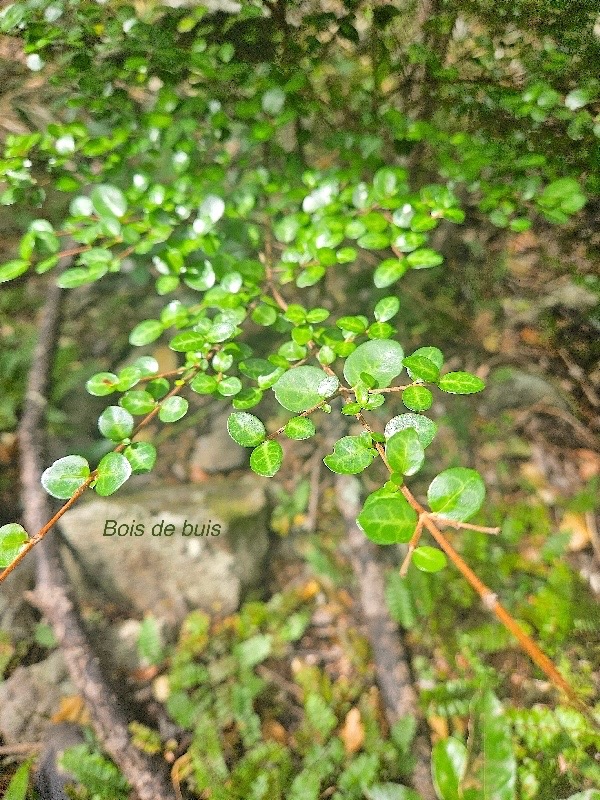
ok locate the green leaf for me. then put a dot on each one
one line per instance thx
(247, 398)
(187, 342)
(108, 201)
(172, 409)
(65, 476)
(431, 353)
(102, 383)
(429, 559)
(460, 383)
(78, 276)
(266, 459)
(448, 764)
(138, 402)
(115, 423)
(204, 384)
(589, 794)
(264, 315)
(400, 602)
(299, 428)
(391, 791)
(246, 429)
(113, 470)
(141, 456)
(219, 332)
(387, 519)
(158, 388)
(12, 270)
(421, 368)
(405, 452)
(298, 388)
(456, 493)
(425, 428)
(128, 377)
(424, 258)
(229, 386)
(350, 456)
(13, 538)
(386, 308)
(149, 642)
(146, 332)
(389, 271)
(17, 788)
(417, 398)
(381, 358)
(492, 772)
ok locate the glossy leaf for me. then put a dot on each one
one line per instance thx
(299, 428)
(102, 383)
(425, 427)
(187, 342)
(113, 470)
(350, 456)
(137, 402)
(146, 332)
(13, 538)
(298, 388)
(266, 459)
(421, 368)
(417, 398)
(108, 201)
(429, 559)
(173, 409)
(381, 358)
(491, 772)
(386, 308)
(460, 383)
(65, 476)
(456, 493)
(448, 764)
(115, 423)
(404, 452)
(387, 519)
(246, 429)
(141, 456)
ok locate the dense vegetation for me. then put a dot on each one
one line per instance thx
(279, 173)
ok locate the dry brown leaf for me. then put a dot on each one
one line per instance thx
(353, 732)
(71, 709)
(576, 525)
(439, 727)
(274, 731)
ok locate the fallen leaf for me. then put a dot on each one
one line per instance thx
(576, 525)
(71, 709)
(274, 731)
(353, 732)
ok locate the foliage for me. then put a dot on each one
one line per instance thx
(244, 165)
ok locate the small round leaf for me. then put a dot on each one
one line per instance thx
(387, 519)
(113, 470)
(425, 428)
(266, 459)
(405, 452)
(299, 428)
(13, 538)
(381, 358)
(115, 423)
(141, 456)
(145, 332)
(246, 429)
(461, 383)
(417, 398)
(65, 476)
(429, 559)
(298, 388)
(173, 408)
(456, 493)
(102, 383)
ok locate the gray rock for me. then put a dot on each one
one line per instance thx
(217, 452)
(510, 388)
(30, 696)
(167, 576)
(17, 616)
